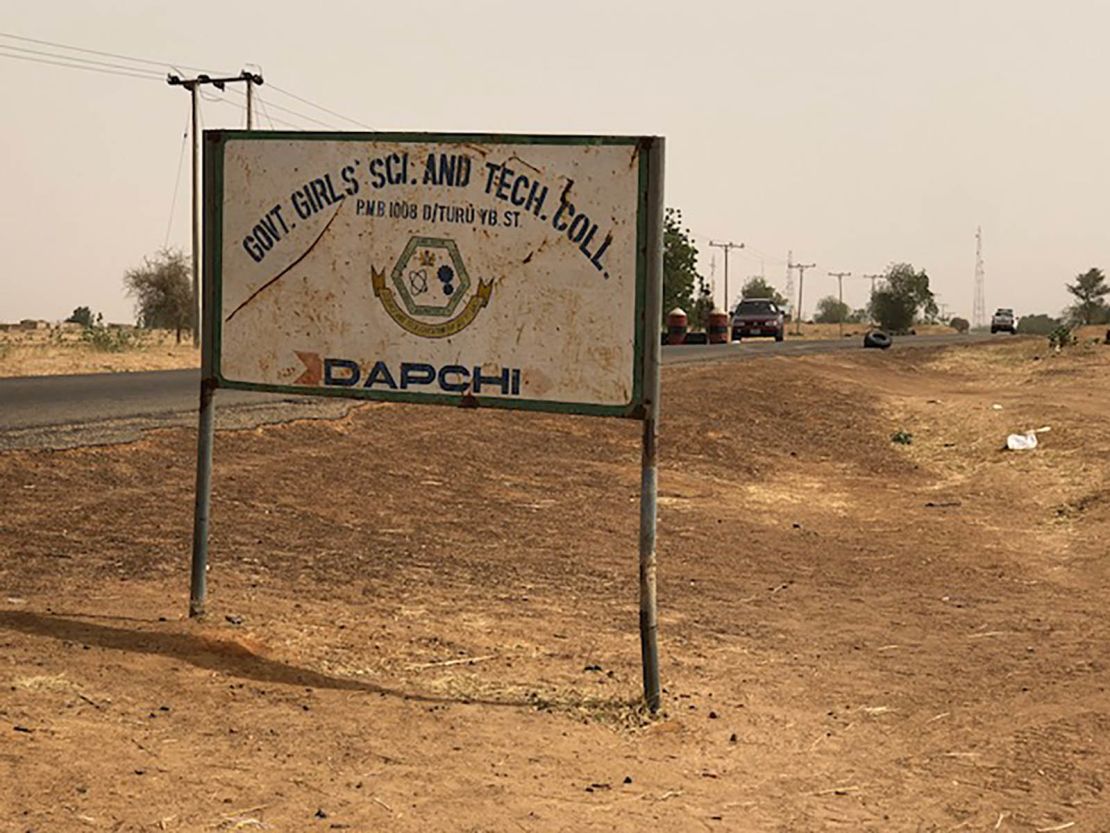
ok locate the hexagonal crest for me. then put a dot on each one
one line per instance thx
(430, 277)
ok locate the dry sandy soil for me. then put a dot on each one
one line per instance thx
(424, 619)
(57, 351)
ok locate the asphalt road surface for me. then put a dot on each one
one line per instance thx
(62, 411)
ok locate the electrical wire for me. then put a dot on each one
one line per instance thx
(177, 180)
(281, 109)
(263, 111)
(747, 249)
(77, 62)
(761, 255)
(149, 72)
(132, 58)
(318, 107)
(242, 108)
(85, 67)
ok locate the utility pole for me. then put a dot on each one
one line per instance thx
(801, 267)
(206, 424)
(840, 276)
(873, 278)
(728, 247)
(874, 286)
(193, 85)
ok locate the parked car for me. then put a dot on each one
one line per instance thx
(1003, 321)
(758, 317)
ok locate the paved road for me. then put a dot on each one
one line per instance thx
(65, 411)
(60, 411)
(686, 353)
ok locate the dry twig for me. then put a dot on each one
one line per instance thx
(421, 666)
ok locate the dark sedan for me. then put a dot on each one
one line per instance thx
(758, 317)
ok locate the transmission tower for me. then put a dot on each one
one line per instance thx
(979, 306)
(790, 278)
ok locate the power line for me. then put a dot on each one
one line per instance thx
(318, 107)
(161, 64)
(241, 108)
(85, 67)
(265, 111)
(177, 182)
(752, 250)
(124, 67)
(279, 108)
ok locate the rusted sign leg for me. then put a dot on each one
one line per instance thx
(649, 615)
(653, 315)
(198, 581)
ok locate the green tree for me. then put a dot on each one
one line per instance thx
(1040, 324)
(82, 316)
(680, 265)
(904, 295)
(162, 288)
(830, 310)
(757, 287)
(1089, 288)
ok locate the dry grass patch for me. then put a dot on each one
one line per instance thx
(60, 351)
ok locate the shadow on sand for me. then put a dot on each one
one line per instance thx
(225, 656)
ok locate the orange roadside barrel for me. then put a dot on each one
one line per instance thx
(677, 324)
(717, 327)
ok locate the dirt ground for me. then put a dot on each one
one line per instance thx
(59, 351)
(424, 619)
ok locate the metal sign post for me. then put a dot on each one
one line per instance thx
(649, 615)
(520, 272)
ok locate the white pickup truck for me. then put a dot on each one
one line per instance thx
(1004, 321)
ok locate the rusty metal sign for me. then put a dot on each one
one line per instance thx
(503, 271)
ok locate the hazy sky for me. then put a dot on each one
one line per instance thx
(854, 132)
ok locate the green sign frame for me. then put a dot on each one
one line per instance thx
(215, 142)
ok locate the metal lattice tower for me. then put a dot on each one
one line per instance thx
(790, 278)
(979, 306)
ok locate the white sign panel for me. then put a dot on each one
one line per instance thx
(493, 270)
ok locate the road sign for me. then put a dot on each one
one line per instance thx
(506, 271)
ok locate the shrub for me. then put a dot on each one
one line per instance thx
(1040, 324)
(1061, 337)
(111, 339)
